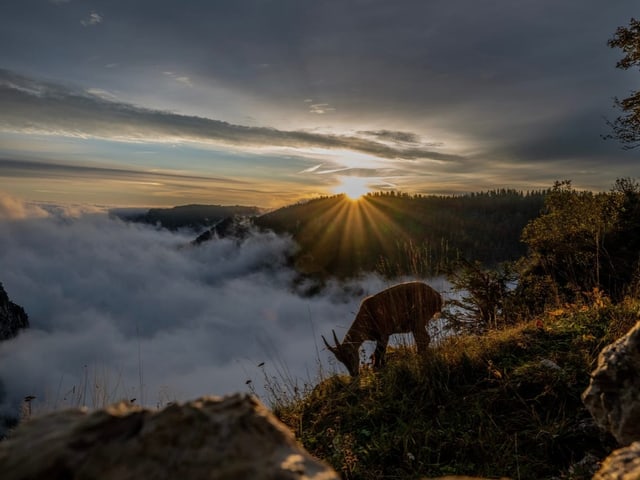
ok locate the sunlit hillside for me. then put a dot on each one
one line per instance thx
(396, 234)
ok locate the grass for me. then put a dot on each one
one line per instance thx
(97, 387)
(506, 403)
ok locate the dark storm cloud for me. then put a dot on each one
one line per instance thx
(420, 56)
(31, 105)
(425, 55)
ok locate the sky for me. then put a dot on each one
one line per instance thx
(120, 311)
(262, 102)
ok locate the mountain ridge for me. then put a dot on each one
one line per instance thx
(391, 233)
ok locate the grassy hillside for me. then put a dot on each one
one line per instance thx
(503, 404)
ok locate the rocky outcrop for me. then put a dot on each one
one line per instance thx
(613, 395)
(623, 464)
(12, 317)
(212, 438)
(613, 398)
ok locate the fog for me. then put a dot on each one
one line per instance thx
(115, 307)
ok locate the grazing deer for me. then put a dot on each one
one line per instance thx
(403, 308)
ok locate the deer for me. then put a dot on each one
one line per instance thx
(402, 308)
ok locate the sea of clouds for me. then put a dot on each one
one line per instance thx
(122, 310)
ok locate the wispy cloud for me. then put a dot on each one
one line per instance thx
(320, 108)
(93, 19)
(35, 106)
(311, 169)
(183, 79)
(103, 94)
(9, 168)
(398, 137)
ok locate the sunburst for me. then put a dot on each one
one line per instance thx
(353, 187)
(343, 234)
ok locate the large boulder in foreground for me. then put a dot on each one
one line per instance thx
(212, 438)
(613, 395)
(623, 464)
(12, 317)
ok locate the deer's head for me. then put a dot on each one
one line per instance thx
(347, 353)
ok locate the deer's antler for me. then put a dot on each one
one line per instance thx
(335, 348)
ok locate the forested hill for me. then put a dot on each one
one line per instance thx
(195, 217)
(396, 233)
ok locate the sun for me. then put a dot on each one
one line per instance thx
(352, 187)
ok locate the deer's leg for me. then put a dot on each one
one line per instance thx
(422, 340)
(378, 355)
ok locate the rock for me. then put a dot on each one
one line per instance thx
(12, 317)
(623, 464)
(211, 438)
(613, 395)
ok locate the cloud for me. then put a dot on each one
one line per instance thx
(101, 93)
(320, 108)
(110, 302)
(30, 105)
(398, 137)
(183, 79)
(12, 208)
(405, 137)
(93, 19)
(311, 169)
(25, 169)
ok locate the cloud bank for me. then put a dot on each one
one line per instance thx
(34, 106)
(114, 306)
(12, 209)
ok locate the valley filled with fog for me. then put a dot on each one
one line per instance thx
(116, 306)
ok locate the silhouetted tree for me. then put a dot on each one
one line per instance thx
(626, 127)
(623, 245)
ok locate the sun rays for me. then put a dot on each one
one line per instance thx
(346, 235)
